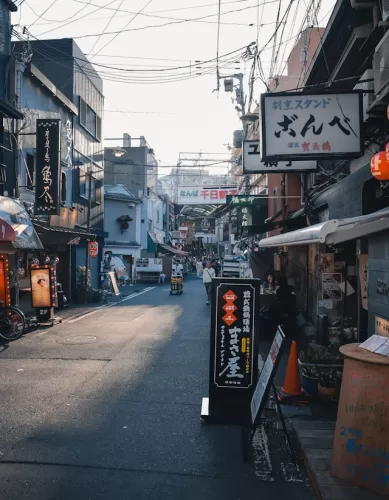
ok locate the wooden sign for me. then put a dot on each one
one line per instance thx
(266, 377)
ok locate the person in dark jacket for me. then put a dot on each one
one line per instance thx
(269, 285)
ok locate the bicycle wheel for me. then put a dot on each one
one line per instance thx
(12, 323)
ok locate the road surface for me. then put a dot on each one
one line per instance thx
(107, 406)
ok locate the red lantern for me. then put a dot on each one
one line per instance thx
(379, 165)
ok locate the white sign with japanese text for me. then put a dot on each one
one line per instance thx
(195, 195)
(252, 163)
(298, 126)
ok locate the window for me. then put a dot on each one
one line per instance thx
(30, 170)
(63, 187)
(89, 119)
(84, 185)
(275, 200)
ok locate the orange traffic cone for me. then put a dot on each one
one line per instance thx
(292, 384)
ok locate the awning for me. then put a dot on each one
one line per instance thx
(332, 232)
(60, 235)
(174, 251)
(20, 231)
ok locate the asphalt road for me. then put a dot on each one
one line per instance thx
(107, 406)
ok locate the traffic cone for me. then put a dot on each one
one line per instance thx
(292, 384)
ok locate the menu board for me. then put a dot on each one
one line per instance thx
(266, 377)
(40, 288)
(234, 335)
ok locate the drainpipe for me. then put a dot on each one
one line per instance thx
(19, 159)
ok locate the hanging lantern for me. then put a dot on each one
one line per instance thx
(379, 166)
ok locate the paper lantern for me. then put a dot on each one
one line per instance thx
(379, 166)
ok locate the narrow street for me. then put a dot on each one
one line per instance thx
(107, 406)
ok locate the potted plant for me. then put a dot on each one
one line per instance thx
(83, 294)
(310, 380)
(329, 383)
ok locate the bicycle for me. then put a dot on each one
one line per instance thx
(12, 322)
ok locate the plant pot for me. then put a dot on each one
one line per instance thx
(327, 392)
(310, 384)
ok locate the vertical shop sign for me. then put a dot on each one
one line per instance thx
(48, 161)
(234, 336)
(93, 248)
(69, 144)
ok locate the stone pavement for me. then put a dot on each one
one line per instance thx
(107, 406)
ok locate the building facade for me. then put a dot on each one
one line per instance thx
(63, 68)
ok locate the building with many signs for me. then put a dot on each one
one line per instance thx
(55, 84)
(337, 264)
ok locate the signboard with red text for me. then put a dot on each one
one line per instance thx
(195, 195)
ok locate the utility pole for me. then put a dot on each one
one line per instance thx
(88, 214)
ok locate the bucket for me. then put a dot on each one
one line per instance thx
(310, 385)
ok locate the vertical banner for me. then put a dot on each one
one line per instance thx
(233, 358)
(48, 166)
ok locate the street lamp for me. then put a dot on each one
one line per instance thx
(118, 152)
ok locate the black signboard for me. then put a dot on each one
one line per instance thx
(233, 347)
(205, 225)
(48, 166)
(266, 377)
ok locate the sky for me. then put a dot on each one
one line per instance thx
(131, 41)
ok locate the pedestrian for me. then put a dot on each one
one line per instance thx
(269, 285)
(208, 275)
(162, 278)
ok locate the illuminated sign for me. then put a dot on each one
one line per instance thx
(43, 292)
(48, 166)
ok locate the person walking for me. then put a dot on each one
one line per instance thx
(208, 275)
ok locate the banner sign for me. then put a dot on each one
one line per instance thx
(194, 195)
(252, 163)
(243, 200)
(234, 336)
(205, 225)
(298, 126)
(48, 167)
(43, 287)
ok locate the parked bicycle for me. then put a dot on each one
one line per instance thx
(12, 322)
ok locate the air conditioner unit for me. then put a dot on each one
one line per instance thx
(381, 67)
(385, 10)
(362, 4)
(368, 91)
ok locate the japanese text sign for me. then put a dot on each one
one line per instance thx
(243, 200)
(48, 164)
(205, 225)
(93, 249)
(298, 126)
(234, 335)
(266, 377)
(252, 163)
(195, 195)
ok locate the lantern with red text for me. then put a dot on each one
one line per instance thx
(379, 166)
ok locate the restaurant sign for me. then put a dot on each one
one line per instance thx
(252, 163)
(243, 200)
(48, 164)
(205, 225)
(298, 126)
(234, 335)
(195, 195)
